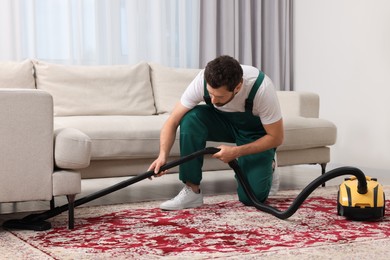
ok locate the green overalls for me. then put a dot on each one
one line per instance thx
(205, 123)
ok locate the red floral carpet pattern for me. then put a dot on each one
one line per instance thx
(223, 227)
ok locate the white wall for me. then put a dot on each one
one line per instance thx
(342, 52)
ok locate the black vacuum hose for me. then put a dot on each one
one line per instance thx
(362, 188)
(37, 221)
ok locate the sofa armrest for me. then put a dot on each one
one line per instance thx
(26, 145)
(296, 103)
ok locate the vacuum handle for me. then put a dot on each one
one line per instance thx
(207, 150)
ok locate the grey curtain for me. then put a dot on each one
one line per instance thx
(255, 32)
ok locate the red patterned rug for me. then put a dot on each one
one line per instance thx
(222, 228)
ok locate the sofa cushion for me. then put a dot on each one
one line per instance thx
(119, 137)
(66, 182)
(129, 137)
(168, 85)
(302, 133)
(72, 149)
(97, 90)
(17, 74)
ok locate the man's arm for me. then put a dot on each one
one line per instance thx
(167, 136)
(272, 139)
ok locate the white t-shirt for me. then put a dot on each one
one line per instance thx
(265, 104)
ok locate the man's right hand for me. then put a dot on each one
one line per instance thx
(156, 165)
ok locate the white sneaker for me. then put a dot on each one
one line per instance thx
(184, 200)
(275, 180)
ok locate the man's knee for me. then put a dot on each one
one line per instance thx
(243, 198)
(260, 190)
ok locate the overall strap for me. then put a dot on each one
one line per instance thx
(206, 96)
(252, 93)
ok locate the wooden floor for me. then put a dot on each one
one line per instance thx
(167, 186)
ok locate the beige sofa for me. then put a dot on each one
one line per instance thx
(121, 110)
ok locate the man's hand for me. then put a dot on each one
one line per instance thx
(227, 153)
(156, 165)
(272, 139)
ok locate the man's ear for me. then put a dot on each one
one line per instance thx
(237, 89)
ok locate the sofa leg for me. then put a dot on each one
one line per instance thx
(323, 170)
(52, 203)
(71, 199)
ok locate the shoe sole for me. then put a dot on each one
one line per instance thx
(197, 205)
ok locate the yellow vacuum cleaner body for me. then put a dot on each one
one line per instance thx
(356, 206)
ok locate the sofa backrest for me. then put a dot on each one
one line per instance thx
(169, 84)
(17, 74)
(97, 90)
(141, 89)
(296, 103)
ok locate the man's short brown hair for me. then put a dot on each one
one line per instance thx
(223, 71)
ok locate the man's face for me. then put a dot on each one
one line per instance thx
(221, 96)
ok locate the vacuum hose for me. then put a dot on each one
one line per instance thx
(362, 188)
(37, 221)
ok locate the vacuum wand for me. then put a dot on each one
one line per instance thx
(58, 210)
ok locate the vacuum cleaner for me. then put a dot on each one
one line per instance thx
(359, 205)
(359, 197)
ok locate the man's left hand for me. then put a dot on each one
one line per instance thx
(226, 154)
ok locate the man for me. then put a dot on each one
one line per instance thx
(242, 108)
